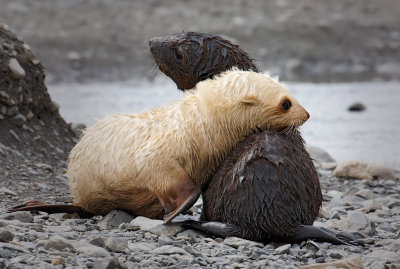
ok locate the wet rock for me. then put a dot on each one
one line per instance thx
(6, 236)
(328, 165)
(73, 56)
(357, 222)
(58, 261)
(392, 68)
(166, 230)
(366, 194)
(16, 69)
(19, 119)
(60, 243)
(144, 223)
(343, 264)
(4, 97)
(382, 255)
(356, 107)
(189, 234)
(109, 263)
(371, 205)
(282, 249)
(164, 241)
(319, 154)
(98, 241)
(114, 244)
(22, 216)
(12, 111)
(29, 115)
(142, 246)
(336, 255)
(169, 250)
(14, 134)
(113, 219)
(237, 242)
(377, 265)
(363, 170)
(7, 191)
(13, 247)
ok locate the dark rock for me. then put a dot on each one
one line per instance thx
(356, 107)
(6, 236)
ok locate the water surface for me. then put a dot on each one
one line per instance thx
(372, 135)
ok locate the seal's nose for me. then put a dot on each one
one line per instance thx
(155, 41)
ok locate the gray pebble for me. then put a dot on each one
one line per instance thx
(168, 250)
(7, 191)
(366, 194)
(357, 222)
(113, 219)
(109, 263)
(12, 111)
(98, 241)
(236, 242)
(145, 224)
(22, 216)
(164, 241)
(16, 69)
(6, 236)
(336, 255)
(141, 246)
(282, 249)
(114, 244)
(167, 230)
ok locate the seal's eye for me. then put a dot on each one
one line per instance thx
(286, 105)
(178, 55)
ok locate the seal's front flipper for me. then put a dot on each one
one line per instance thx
(52, 208)
(215, 228)
(179, 197)
(305, 232)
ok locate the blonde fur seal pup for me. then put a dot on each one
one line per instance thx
(131, 162)
(153, 164)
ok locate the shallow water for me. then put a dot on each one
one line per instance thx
(372, 135)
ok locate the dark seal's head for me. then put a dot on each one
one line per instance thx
(191, 57)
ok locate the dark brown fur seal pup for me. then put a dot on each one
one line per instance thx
(267, 189)
(191, 57)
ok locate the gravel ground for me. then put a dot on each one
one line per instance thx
(118, 240)
(32, 166)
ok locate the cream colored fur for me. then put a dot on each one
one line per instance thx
(128, 153)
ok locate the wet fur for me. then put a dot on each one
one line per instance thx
(265, 188)
(125, 161)
(203, 56)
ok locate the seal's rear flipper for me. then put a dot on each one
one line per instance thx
(305, 232)
(179, 198)
(215, 228)
(52, 208)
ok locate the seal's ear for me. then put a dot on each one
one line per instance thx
(250, 100)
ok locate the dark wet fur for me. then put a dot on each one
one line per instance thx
(203, 56)
(265, 188)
